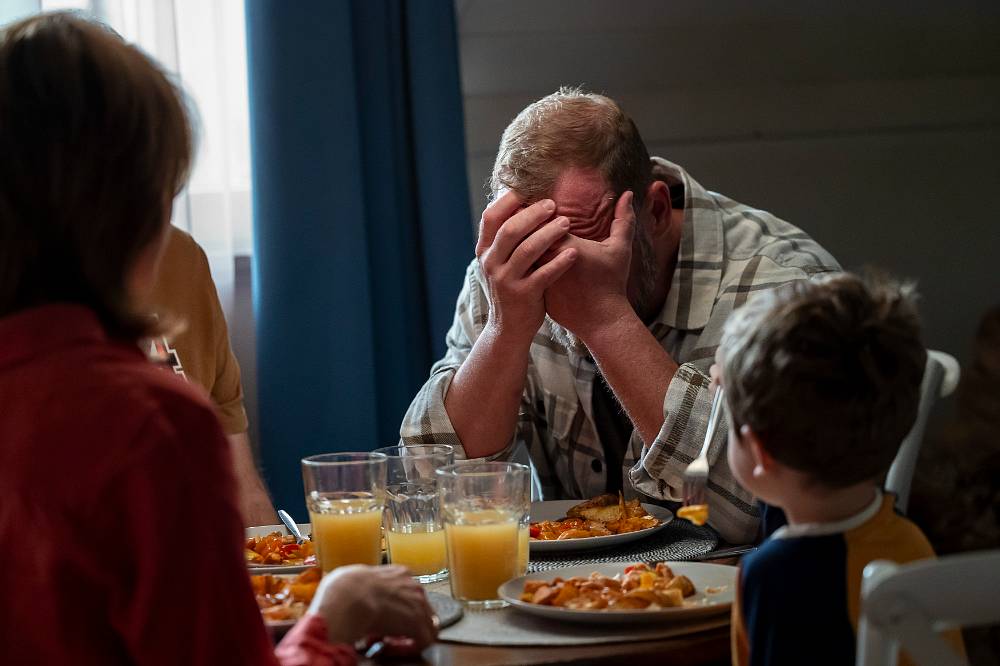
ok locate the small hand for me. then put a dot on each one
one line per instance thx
(511, 242)
(715, 370)
(594, 289)
(715, 374)
(357, 601)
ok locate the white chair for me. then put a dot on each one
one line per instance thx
(941, 376)
(903, 606)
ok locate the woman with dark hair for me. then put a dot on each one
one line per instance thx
(119, 528)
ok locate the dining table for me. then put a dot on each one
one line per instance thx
(704, 641)
(709, 647)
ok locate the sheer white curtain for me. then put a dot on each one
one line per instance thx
(203, 44)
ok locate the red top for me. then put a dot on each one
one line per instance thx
(120, 536)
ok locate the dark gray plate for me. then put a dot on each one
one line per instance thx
(447, 609)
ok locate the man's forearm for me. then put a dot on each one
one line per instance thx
(636, 366)
(485, 394)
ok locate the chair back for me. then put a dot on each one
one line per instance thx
(941, 376)
(904, 606)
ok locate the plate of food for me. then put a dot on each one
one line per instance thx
(269, 549)
(614, 593)
(283, 599)
(606, 520)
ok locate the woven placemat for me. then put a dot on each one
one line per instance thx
(679, 540)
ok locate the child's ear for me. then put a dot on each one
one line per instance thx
(763, 463)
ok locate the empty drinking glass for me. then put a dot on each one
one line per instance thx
(408, 463)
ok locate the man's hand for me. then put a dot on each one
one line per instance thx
(591, 301)
(594, 291)
(511, 242)
(514, 244)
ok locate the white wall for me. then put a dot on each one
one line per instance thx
(877, 131)
(11, 10)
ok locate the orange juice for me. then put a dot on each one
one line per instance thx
(522, 550)
(420, 549)
(347, 532)
(482, 554)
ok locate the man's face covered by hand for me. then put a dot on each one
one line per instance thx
(589, 202)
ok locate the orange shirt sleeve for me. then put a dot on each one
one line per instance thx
(186, 293)
(227, 387)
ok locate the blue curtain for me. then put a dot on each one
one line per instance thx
(361, 218)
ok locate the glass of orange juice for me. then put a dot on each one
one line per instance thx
(483, 505)
(345, 495)
(413, 531)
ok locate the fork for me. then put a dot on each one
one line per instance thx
(696, 474)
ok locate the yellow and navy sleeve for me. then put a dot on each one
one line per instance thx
(799, 598)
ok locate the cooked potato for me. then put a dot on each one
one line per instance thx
(575, 534)
(696, 513)
(544, 595)
(670, 598)
(638, 587)
(303, 592)
(629, 602)
(283, 598)
(531, 586)
(587, 602)
(566, 592)
(682, 583)
(632, 524)
(663, 571)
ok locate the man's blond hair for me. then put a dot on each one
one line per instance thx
(570, 128)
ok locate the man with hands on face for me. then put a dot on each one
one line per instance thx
(589, 318)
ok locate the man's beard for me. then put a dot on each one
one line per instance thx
(645, 289)
(641, 301)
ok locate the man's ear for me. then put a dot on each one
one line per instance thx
(657, 202)
(763, 464)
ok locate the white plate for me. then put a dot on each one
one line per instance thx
(704, 576)
(264, 530)
(447, 610)
(556, 509)
(280, 625)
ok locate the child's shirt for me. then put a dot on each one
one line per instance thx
(799, 595)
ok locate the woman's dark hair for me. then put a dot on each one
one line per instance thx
(94, 144)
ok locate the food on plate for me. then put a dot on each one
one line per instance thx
(602, 516)
(696, 513)
(278, 549)
(637, 588)
(284, 597)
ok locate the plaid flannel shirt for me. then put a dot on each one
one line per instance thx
(728, 252)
